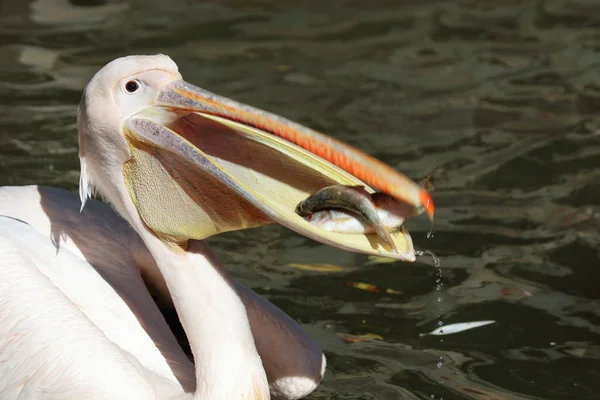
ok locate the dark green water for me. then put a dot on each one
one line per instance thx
(502, 95)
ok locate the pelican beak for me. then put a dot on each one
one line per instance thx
(218, 165)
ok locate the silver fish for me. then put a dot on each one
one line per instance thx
(456, 328)
(392, 215)
(353, 210)
(350, 209)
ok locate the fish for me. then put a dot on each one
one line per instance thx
(458, 327)
(391, 213)
(427, 182)
(349, 209)
(353, 210)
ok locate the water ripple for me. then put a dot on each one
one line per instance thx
(501, 96)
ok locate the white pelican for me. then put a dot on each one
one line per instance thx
(179, 164)
(97, 253)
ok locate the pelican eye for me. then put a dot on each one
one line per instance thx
(132, 86)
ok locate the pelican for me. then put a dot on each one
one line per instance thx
(177, 164)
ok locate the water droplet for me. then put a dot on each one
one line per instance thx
(440, 298)
(430, 233)
(436, 260)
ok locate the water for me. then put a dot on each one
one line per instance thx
(502, 96)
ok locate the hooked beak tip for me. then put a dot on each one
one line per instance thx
(427, 203)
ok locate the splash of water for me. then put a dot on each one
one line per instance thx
(439, 284)
(438, 287)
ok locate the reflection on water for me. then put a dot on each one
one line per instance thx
(502, 95)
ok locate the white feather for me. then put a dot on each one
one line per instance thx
(95, 268)
(86, 187)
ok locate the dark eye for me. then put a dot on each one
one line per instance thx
(132, 86)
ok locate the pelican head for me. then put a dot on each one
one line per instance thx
(123, 88)
(193, 164)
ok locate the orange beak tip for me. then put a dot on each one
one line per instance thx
(426, 203)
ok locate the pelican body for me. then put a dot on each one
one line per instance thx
(177, 164)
